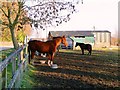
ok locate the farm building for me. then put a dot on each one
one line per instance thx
(95, 38)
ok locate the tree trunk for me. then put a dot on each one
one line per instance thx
(15, 43)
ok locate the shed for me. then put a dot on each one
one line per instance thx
(75, 36)
(99, 38)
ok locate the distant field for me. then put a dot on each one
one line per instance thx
(6, 43)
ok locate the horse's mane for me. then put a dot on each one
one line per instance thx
(56, 37)
(53, 40)
(79, 43)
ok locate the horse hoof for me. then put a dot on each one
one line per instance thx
(54, 66)
(49, 63)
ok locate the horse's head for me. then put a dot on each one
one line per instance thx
(64, 41)
(76, 44)
(79, 44)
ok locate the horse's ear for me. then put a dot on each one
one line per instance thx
(64, 36)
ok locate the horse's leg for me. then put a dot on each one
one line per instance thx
(29, 53)
(29, 57)
(57, 50)
(82, 48)
(52, 56)
(82, 51)
(48, 61)
(32, 56)
(89, 50)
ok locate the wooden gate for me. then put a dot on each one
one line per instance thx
(12, 68)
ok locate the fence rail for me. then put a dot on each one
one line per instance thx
(12, 67)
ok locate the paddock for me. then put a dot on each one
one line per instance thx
(100, 70)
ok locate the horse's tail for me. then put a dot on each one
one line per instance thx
(29, 53)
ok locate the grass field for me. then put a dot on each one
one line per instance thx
(100, 70)
(5, 53)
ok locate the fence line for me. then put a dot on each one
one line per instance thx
(17, 61)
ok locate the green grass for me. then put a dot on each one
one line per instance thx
(5, 53)
(28, 77)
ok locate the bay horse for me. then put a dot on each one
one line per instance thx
(84, 47)
(48, 47)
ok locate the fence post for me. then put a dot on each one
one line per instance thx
(22, 55)
(13, 66)
(26, 57)
(0, 81)
(18, 77)
(4, 75)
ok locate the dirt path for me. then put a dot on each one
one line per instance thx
(76, 71)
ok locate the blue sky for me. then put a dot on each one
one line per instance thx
(103, 14)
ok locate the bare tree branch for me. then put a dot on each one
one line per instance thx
(3, 23)
(50, 13)
(18, 14)
(4, 12)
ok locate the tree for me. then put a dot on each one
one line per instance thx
(12, 14)
(50, 12)
(45, 14)
(5, 35)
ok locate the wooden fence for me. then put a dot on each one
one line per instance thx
(12, 68)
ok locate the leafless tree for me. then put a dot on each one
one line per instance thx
(51, 12)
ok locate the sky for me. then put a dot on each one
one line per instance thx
(101, 14)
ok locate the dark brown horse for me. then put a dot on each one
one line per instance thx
(48, 47)
(84, 47)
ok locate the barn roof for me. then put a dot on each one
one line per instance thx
(74, 33)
